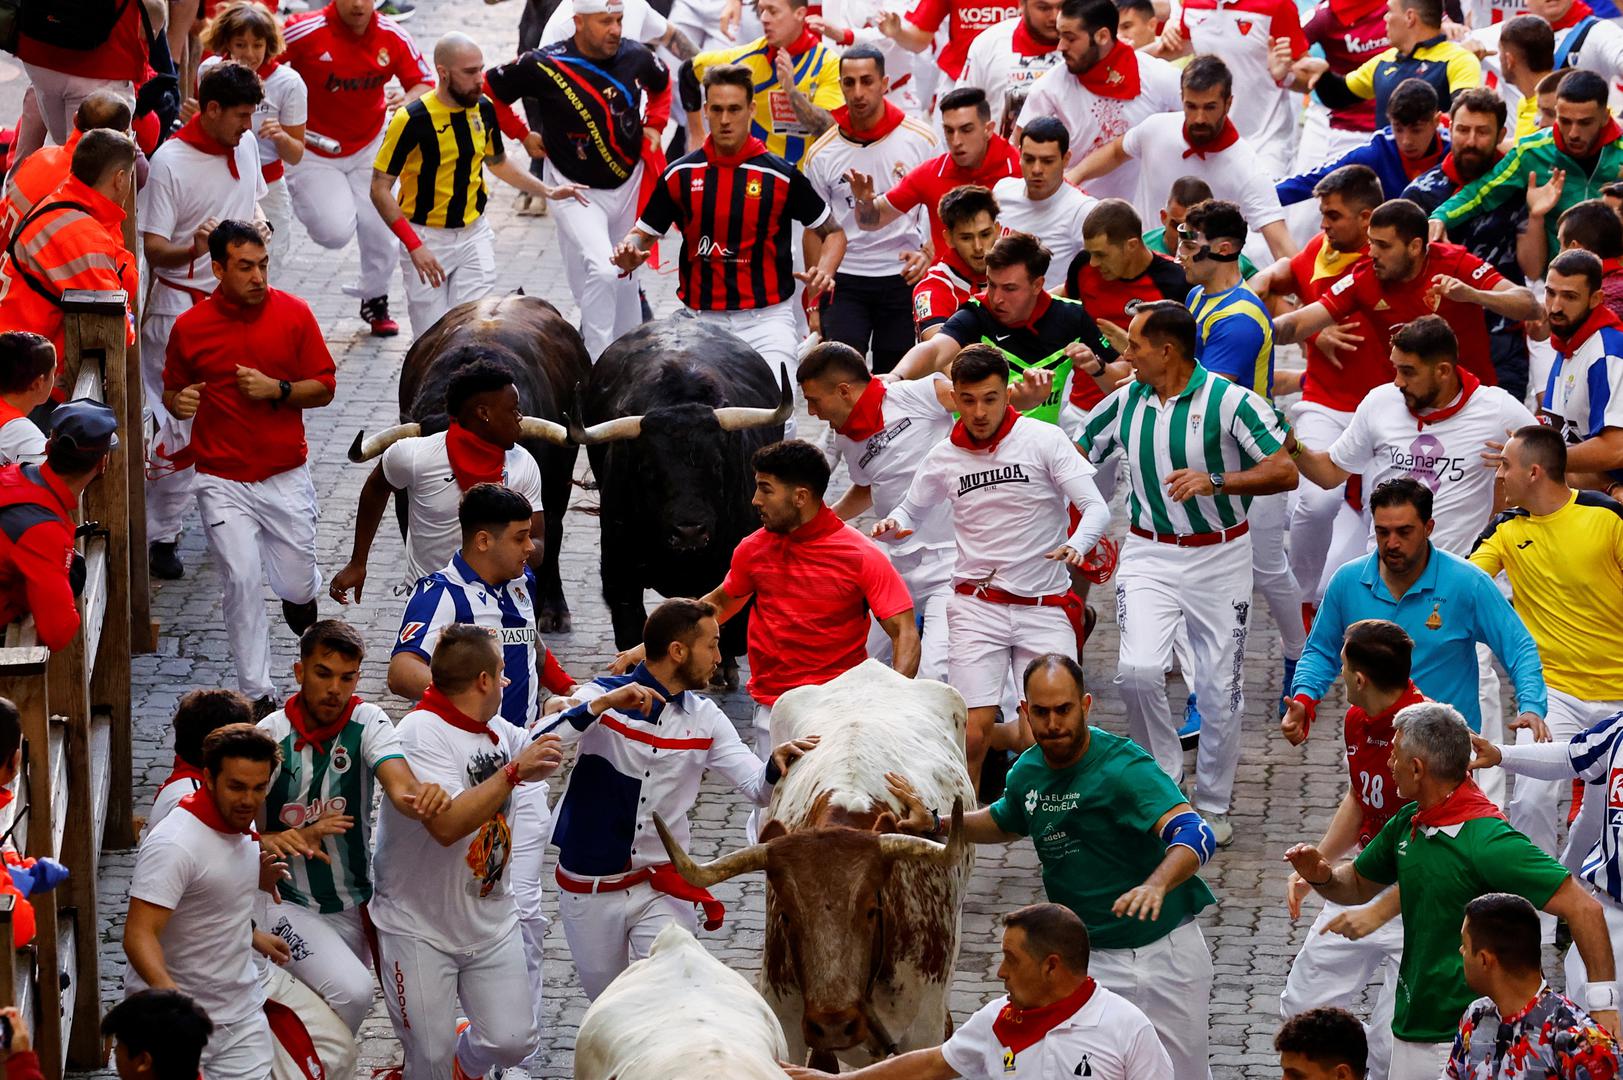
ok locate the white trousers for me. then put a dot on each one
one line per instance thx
(1333, 970)
(1534, 806)
(531, 822)
(1577, 974)
(927, 572)
(303, 1027)
(1170, 981)
(169, 489)
(1209, 589)
(608, 301)
(423, 986)
(333, 198)
(468, 257)
(59, 96)
(330, 956)
(240, 1051)
(1271, 571)
(771, 332)
(607, 931)
(986, 641)
(1418, 1061)
(277, 206)
(1313, 517)
(259, 531)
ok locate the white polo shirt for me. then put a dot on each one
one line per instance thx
(422, 469)
(1056, 221)
(1108, 1038)
(1234, 174)
(872, 254)
(1005, 60)
(21, 440)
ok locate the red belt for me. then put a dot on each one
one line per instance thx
(197, 295)
(662, 877)
(1076, 612)
(1206, 539)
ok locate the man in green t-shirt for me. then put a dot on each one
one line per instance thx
(1447, 847)
(1119, 845)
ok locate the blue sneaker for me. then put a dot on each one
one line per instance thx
(1290, 680)
(1189, 733)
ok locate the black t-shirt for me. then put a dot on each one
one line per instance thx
(1038, 343)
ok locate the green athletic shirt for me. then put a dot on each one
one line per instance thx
(1437, 874)
(1093, 826)
(1039, 342)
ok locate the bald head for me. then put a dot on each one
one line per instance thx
(103, 109)
(456, 48)
(461, 68)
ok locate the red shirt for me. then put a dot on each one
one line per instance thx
(122, 57)
(969, 18)
(36, 552)
(1315, 272)
(927, 182)
(1348, 39)
(814, 590)
(1369, 763)
(941, 291)
(1163, 279)
(234, 436)
(346, 74)
(1391, 304)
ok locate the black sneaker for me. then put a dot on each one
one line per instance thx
(300, 617)
(263, 708)
(398, 10)
(163, 562)
(376, 313)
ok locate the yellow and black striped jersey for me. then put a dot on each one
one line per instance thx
(439, 151)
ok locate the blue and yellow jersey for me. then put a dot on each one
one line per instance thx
(1447, 65)
(817, 75)
(1234, 337)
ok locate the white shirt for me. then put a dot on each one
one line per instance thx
(642, 23)
(1093, 120)
(208, 880)
(1056, 220)
(167, 799)
(185, 187)
(1242, 33)
(286, 101)
(889, 461)
(422, 469)
(1602, 51)
(1584, 393)
(1384, 441)
(1234, 174)
(1009, 506)
(428, 891)
(1108, 1038)
(21, 440)
(877, 253)
(862, 18)
(997, 64)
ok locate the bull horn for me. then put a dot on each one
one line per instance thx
(737, 419)
(533, 427)
(703, 875)
(360, 451)
(899, 846)
(626, 427)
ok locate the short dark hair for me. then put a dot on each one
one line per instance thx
(1115, 220)
(165, 1024)
(864, 52)
(100, 152)
(1048, 129)
(731, 75)
(1355, 185)
(674, 620)
(1020, 249)
(11, 729)
(796, 462)
(1402, 491)
(1217, 219)
(1050, 661)
(1052, 930)
(977, 362)
(1480, 100)
(229, 233)
(1095, 15)
(228, 84)
(1551, 82)
(1533, 38)
(1411, 102)
(1543, 446)
(202, 711)
(1143, 7)
(1167, 322)
(1430, 338)
(1578, 263)
(462, 653)
(1208, 72)
(332, 635)
(480, 376)
(964, 203)
(967, 97)
(1430, 11)
(243, 741)
(1327, 1037)
(835, 362)
(1595, 227)
(1583, 87)
(491, 508)
(1403, 216)
(1382, 651)
(1186, 191)
(1507, 926)
(24, 357)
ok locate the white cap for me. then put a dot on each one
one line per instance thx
(599, 7)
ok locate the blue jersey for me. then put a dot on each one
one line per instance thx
(1597, 758)
(1234, 337)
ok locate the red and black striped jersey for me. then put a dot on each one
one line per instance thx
(737, 215)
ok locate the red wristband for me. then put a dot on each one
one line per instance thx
(408, 235)
(847, 37)
(510, 771)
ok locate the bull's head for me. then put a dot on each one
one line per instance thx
(827, 886)
(530, 427)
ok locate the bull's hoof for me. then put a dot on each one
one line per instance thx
(554, 619)
(726, 677)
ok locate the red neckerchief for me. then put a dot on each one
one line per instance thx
(9, 412)
(977, 281)
(1413, 167)
(961, 436)
(1349, 12)
(752, 146)
(799, 46)
(889, 121)
(265, 69)
(1045, 300)
(1469, 384)
(6, 797)
(1225, 139)
(1026, 45)
(1577, 13)
(1452, 170)
(1116, 76)
(182, 770)
(1382, 724)
(201, 805)
(665, 879)
(304, 723)
(441, 706)
(823, 523)
(1609, 134)
(1018, 1029)
(1602, 316)
(194, 136)
(473, 460)
(1464, 803)
(867, 415)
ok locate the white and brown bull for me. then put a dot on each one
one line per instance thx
(679, 1014)
(861, 921)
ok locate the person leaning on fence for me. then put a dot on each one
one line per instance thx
(40, 573)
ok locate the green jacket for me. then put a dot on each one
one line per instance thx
(1537, 153)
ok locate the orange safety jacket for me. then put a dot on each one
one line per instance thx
(41, 173)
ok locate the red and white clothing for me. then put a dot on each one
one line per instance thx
(942, 290)
(63, 78)
(926, 183)
(1094, 1032)
(1056, 220)
(862, 18)
(1230, 164)
(1242, 32)
(1006, 61)
(287, 102)
(1104, 103)
(1584, 393)
(21, 440)
(887, 153)
(969, 19)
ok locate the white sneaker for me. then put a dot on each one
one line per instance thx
(1222, 831)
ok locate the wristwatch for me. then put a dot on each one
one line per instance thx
(1218, 480)
(287, 390)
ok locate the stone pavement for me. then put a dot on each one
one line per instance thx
(1282, 795)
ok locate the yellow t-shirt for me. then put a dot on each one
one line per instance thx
(817, 75)
(1526, 116)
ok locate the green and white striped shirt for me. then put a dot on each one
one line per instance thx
(339, 778)
(1213, 425)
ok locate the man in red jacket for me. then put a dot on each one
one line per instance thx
(31, 180)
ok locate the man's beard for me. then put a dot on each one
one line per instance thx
(1089, 60)
(466, 99)
(1563, 325)
(1472, 163)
